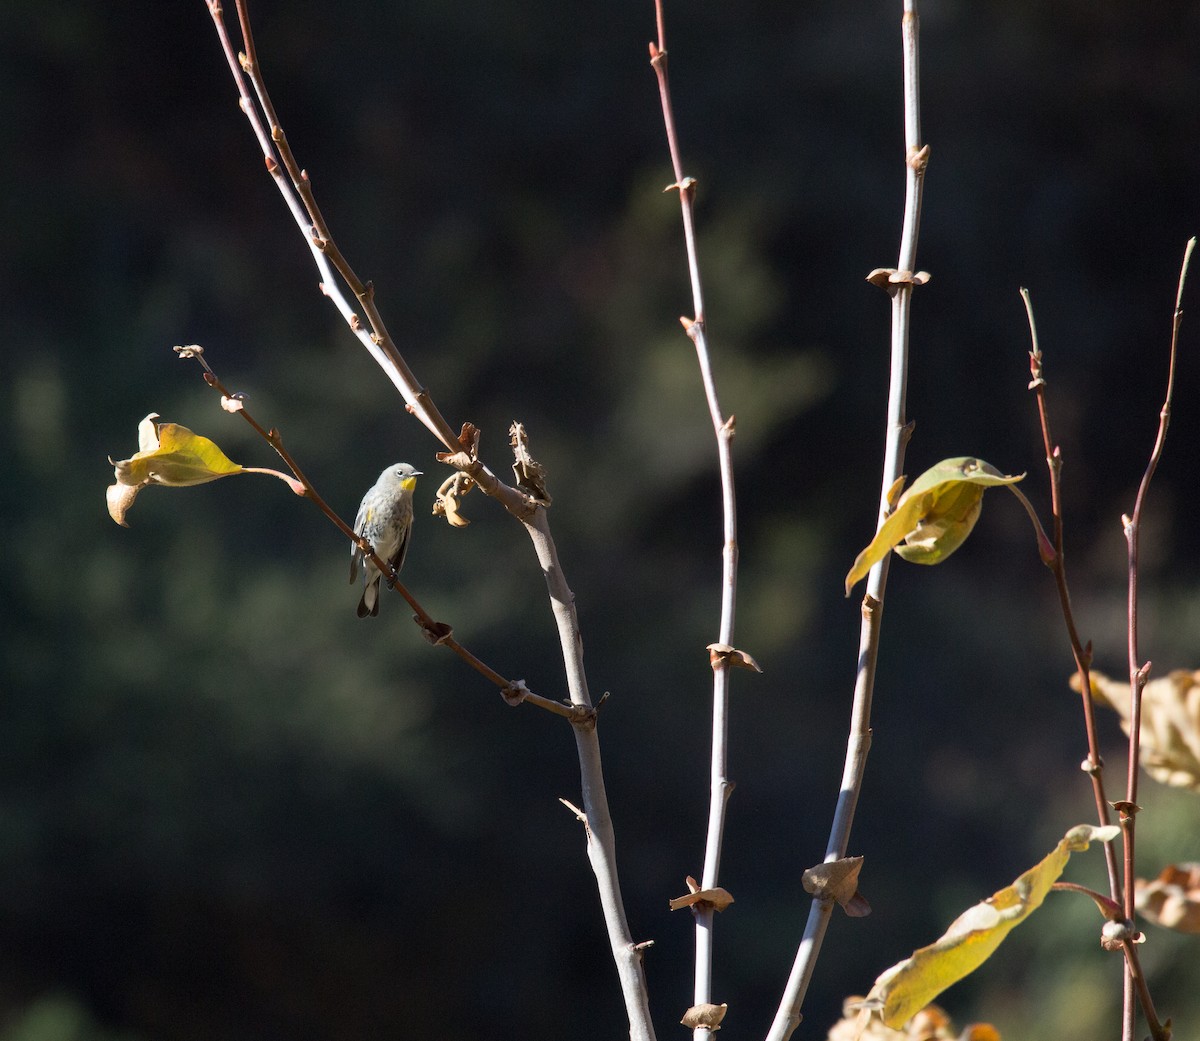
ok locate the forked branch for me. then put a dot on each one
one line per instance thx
(461, 452)
(1135, 982)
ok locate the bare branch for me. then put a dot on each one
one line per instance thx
(1093, 765)
(1138, 672)
(720, 787)
(899, 285)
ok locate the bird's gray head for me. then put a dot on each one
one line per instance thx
(404, 473)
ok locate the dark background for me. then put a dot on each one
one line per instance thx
(230, 810)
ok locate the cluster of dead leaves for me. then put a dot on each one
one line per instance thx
(930, 1024)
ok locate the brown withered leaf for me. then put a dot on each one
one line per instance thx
(706, 1015)
(468, 452)
(718, 897)
(722, 652)
(448, 501)
(1173, 899)
(838, 879)
(1170, 722)
(930, 1024)
(531, 475)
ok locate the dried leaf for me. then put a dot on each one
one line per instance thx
(718, 897)
(904, 989)
(468, 453)
(531, 475)
(706, 1015)
(1173, 899)
(722, 652)
(1170, 745)
(448, 501)
(934, 517)
(930, 1024)
(838, 879)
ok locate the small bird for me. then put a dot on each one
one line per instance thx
(385, 518)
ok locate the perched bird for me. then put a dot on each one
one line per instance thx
(385, 517)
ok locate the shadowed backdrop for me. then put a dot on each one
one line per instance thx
(231, 810)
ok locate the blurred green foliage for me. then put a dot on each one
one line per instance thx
(229, 809)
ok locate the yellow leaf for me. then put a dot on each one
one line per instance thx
(934, 517)
(173, 456)
(905, 988)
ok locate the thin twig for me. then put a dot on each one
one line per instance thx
(438, 633)
(720, 787)
(900, 284)
(1138, 672)
(1093, 765)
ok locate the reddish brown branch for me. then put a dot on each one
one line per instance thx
(1094, 764)
(438, 633)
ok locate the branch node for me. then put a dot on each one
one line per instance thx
(1127, 810)
(579, 815)
(889, 278)
(686, 184)
(699, 899)
(918, 158)
(437, 633)
(582, 716)
(514, 693)
(722, 654)
(706, 1016)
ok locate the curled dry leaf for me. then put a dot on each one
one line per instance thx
(718, 897)
(838, 879)
(1170, 746)
(1173, 899)
(706, 1015)
(468, 453)
(930, 1024)
(448, 501)
(934, 517)
(531, 475)
(719, 653)
(889, 276)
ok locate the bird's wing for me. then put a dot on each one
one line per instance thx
(397, 558)
(356, 554)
